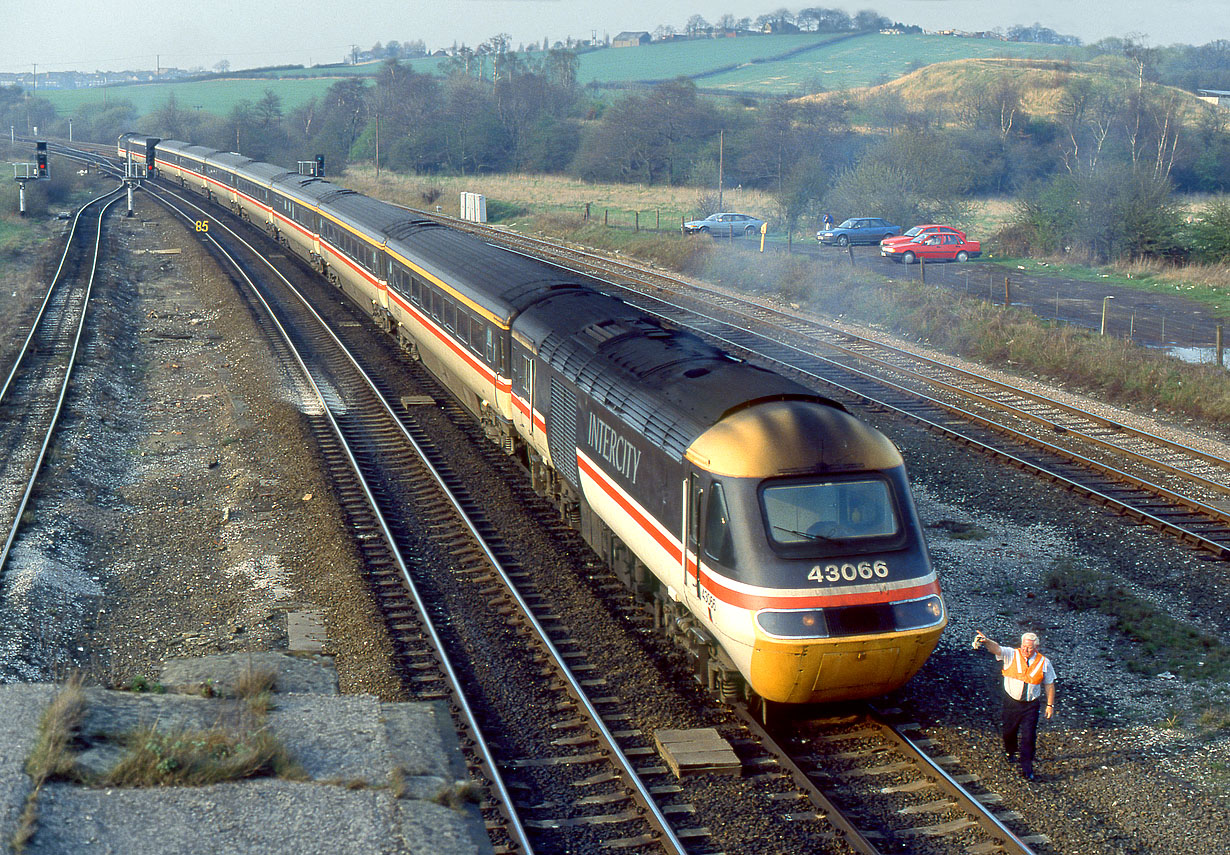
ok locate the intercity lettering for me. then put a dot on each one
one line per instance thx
(614, 449)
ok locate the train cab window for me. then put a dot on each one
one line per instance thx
(844, 511)
(718, 543)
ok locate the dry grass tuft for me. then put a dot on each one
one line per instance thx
(52, 757)
(199, 757)
(458, 794)
(256, 681)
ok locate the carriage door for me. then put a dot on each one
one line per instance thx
(521, 386)
(694, 501)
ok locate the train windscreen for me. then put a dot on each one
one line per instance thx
(829, 510)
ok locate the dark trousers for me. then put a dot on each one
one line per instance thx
(1021, 719)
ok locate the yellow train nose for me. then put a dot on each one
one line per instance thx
(827, 669)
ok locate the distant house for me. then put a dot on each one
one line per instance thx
(778, 28)
(1220, 97)
(631, 39)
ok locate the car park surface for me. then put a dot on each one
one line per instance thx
(869, 230)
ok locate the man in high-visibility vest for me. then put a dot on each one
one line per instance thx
(1027, 676)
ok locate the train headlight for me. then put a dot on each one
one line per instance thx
(916, 614)
(793, 624)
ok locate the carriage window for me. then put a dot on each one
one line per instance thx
(824, 511)
(478, 332)
(490, 346)
(523, 378)
(450, 315)
(415, 292)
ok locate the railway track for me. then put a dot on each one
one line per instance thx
(569, 767)
(1174, 487)
(881, 790)
(453, 594)
(34, 391)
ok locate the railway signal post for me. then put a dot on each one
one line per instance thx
(133, 173)
(23, 172)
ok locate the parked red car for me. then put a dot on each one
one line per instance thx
(931, 228)
(936, 246)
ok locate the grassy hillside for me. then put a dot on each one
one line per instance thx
(867, 60)
(765, 65)
(214, 96)
(668, 60)
(945, 89)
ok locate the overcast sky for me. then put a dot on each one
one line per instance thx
(86, 35)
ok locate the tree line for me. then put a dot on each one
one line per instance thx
(1098, 175)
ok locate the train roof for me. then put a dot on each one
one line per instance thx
(670, 385)
(230, 160)
(198, 152)
(369, 216)
(265, 172)
(501, 281)
(303, 188)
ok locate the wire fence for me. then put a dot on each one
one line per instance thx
(1184, 328)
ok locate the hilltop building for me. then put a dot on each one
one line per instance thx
(631, 39)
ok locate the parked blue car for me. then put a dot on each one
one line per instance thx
(869, 230)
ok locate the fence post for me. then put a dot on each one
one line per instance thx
(636, 223)
(1221, 351)
(587, 212)
(922, 269)
(1007, 292)
(657, 226)
(850, 250)
(606, 216)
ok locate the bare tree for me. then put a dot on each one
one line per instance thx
(696, 26)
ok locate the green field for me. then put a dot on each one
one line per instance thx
(214, 96)
(765, 65)
(668, 60)
(868, 60)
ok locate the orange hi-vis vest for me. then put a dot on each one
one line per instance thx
(1017, 668)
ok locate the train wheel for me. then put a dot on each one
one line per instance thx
(730, 686)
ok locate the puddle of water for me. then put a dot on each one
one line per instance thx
(1194, 354)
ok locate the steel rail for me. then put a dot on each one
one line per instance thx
(988, 820)
(68, 368)
(792, 324)
(659, 819)
(1222, 550)
(306, 374)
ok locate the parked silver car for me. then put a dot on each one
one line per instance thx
(724, 225)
